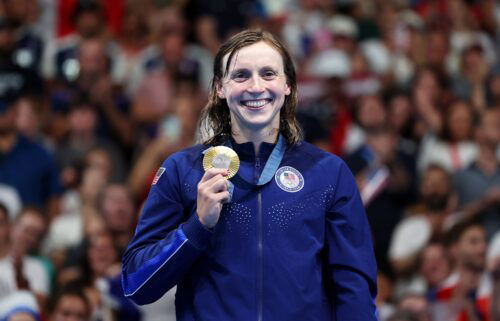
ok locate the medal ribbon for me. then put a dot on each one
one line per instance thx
(272, 164)
(270, 168)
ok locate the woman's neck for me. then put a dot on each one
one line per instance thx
(256, 137)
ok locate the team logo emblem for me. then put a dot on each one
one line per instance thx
(289, 179)
(160, 172)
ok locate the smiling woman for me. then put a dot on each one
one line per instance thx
(252, 70)
(255, 89)
(285, 238)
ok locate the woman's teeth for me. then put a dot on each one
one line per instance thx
(255, 103)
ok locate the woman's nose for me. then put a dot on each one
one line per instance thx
(256, 85)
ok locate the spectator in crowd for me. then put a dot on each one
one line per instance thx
(466, 293)
(429, 93)
(178, 130)
(369, 113)
(100, 272)
(401, 120)
(304, 26)
(60, 62)
(217, 20)
(427, 220)
(134, 45)
(470, 83)
(177, 63)
(19, 306)
(93, 82)
(435, 268)
(15, 79)
(478, 185)
(325, 116)
(344, 31)
(452, 147)
(31, 116)
(362, 80)
(401, 34)
(83, 136)
(465, 30)
(29, 47)
(69, 303)
(36, 181)
(437, 48)
(79, 215)
(393, 149)
(384, 177)
(172, 19)
(20, 271)
(116, 206)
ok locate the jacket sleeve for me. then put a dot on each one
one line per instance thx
(167, 241)
(351, 259)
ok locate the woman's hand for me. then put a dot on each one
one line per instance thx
(212, 194)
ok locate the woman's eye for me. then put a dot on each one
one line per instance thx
(269, 74)
(239, 76)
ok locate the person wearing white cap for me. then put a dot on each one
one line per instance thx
(345, 32)
(19, 306)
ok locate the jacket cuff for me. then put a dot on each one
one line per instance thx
(196, 233)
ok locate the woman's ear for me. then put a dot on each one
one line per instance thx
(220, 91)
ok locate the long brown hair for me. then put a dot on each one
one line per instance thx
(215, 120)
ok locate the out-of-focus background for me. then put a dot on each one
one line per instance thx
(94, 95)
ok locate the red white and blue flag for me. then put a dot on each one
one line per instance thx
(158, 174)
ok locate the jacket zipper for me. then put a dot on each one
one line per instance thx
(260, 261)
(259, 245)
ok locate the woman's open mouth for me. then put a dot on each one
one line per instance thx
(255, 104)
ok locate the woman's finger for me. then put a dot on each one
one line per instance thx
(217, 184)
(213, 172)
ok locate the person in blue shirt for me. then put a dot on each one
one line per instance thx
(286, 238)
(26, 165)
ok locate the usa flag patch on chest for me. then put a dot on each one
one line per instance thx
(158, 174)
(289, 179)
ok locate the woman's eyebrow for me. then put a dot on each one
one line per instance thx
(240, 70)
(269, 67)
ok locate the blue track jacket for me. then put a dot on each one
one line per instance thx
(296, 248)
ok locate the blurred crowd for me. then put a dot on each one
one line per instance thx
(94, 95)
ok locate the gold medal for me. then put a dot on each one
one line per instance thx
(222, 157)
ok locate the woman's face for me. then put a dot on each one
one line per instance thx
(459, 122)
(399, 112)
(371, 113)
(428, 83)
(102, 254)
(435, 265)
(70, 308)
(117, 209)
(255, 88)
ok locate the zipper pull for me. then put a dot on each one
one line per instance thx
(257, 162)
(257, 169)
